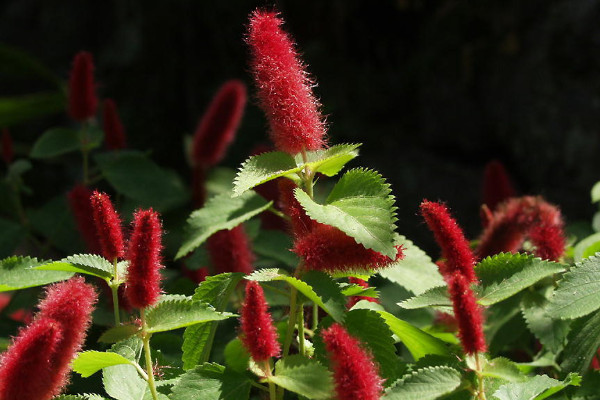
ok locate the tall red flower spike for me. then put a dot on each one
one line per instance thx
(468, 315)
(284, 86)
(217, 127)
(142, 287)
(8, 153)
(451, 239)
(27, 367)
(230, 251)
(82, 92)
(108, 226)
(355, 373)
(114, 132)
(329, 249)
(352, 300)
(259, 335)
(497, 186)
(81, 207)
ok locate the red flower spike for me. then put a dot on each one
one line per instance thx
(549, 241)
(355, 373)
(497, 186)
(108, 226)
(468, 315)
(300, 223)
(328, 249)
(230, 251)
(142, 287)
(352, 300)
(27, 367)
(81, 207)
(82, 92)
(284, 86)
(114, 132)
(217, 127)
(8, 153)
(259, 335)
(451, 239)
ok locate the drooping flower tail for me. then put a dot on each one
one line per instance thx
(108, 226)
(230, 251)
(259, 335)
(142, 287)
(114, 132)
(284, 87)
(355, 373)
(468, 315)
(497, 186)
(82, 92)
(81, 207)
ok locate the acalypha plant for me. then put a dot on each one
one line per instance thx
(285, 282)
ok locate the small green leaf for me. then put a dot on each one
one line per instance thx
(88, 363)
(582, 343)
(425, 384)
(596, 192)
(504, 275)
(118, 333)
(90, 264)
(537, 388)
(503, 368)
(357, 290)
(434, 297)
(220, 212)
(361, 206)
(329, 161)
(174, 314)
(17, 109)
(211, 382)
(304, 376)
(18, 273)
(552, 333)
(56, 142)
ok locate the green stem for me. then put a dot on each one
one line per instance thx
(272, 392)
(315, 316)
(478, 372)
(148, 357)
(301, 344)
(290, 331)
(114, 287)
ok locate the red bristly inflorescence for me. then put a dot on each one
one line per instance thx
(451, 239)
(114, 132)
(259, 335)
(8, 153)
(230, 251)
(284, 86)
(355, 373)
(142, 287)
(81, 206)
(108, 226)
(497, 186)
(82, 91)
(468, 315)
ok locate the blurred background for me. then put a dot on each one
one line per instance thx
(433, 88)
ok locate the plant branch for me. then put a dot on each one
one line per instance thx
(148, 357)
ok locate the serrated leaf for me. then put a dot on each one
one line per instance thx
(361, 206)
(504, 275)
(329, 161)
(418, 342)
(211, 382)
(303, 376)
(88, 363)
(586, 247)
(18, 273)
(503, 368)
(577, 291)
(537, 388)
(425, 384)
(434, 297)
(582, 343)
(220, 212)
(415, 271)
(123, 382)
(332, 303)
(357, 290)
(118, 333)
(550, 332)
(174, 314)
(89, 264)
(197, 339)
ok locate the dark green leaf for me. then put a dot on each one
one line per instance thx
(537, 388)
(17, 273)
(550, 332)
(303, 376)
(211, 382)
(582, 344)
(425, 384)
(90, 264)
(56, 142)
(173, 314)
(434, 297)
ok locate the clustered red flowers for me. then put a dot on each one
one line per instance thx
(108, 227)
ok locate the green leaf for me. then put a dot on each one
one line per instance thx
(332, 304)
(90, 264)
(537, 388)
(118, 333)
(273, 245)
(56, 142)
(418, 342)
(329, 161)
(328, 291)
(220, 212)
(174, 314)
(17, 109)
(11, 235)
(550, 332)
(595, 193)
(361, 206)
(17, 273)
(504, 275)
(236, 356)
(504, 369)
(123, 381)
(587, 247)
(357, 290)
(577, 291)
(88, 363)
(415, 271)
(197, 339)
(582, 343)
(134, 175)
(211, 382)
(425, 384)
(434, 297)
(303, 376)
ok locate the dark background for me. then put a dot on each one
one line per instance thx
(433, 88)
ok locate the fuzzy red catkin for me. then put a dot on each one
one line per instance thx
(259, 335)
(8, 153)
(230, 251)
(284, 87)
(468, 315)
(142, 287)
(114, 132)
(497, 186)
(352, 300)
(355, 373)
(108, 226)
(82, 92)
(451, 239)
(81, 207)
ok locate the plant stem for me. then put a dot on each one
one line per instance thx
(114, 287)
(478, 372)
(301, 346)
(272, 391)
(148, 357)
(315, 316)
(291, 322)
